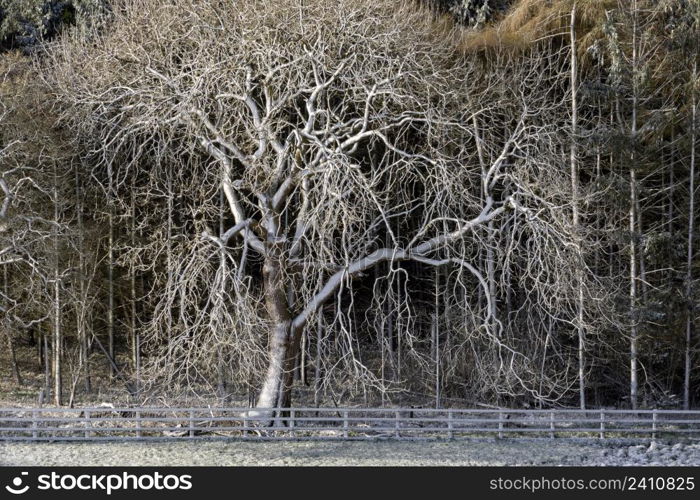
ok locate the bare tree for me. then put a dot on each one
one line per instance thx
(343, 137)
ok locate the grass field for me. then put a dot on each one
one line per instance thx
(329, 453)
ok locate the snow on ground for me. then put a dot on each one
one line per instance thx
(391, 453)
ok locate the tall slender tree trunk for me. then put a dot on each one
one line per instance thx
(690, 319)
(10, 341)
(390, 330)
(57, 334)
(435, 330)
(223, 269)
(135, 336)
(46, 363)
(13, 359)
(671, 180)
(633, 206)
(633, 295)
(81, 327)
(317, 361)
(110, 277)
(302, 360)
(169, 245)
(575, 212)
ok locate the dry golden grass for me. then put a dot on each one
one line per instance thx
(530, 21)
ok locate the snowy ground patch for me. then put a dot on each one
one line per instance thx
(326, 453)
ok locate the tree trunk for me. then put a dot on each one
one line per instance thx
(302, 360)
(81, 318)
(633, 226)
(690, 318)
(435, 337)
(575, 214)
(10, 342)
(283, 344)
(47, 364)
(110, 278)
(13, 359)
(223, 269)
(57, 334)
(57, 341)
(633, 287)
(317, 361)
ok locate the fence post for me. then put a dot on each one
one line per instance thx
(35, 434)
(291, 423)
(88, 424)
(653, 424)
(345, 424)
(450, 434)
(551, 425)
(397, 425)
(138, 425)
(191, 423)
(602, 424)
(500, 425)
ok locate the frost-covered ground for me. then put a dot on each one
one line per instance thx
(484, 452)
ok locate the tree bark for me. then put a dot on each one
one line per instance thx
(690, 318)
(135, 336)
(13, 359)
(575, 214)
(110, 276)
(633, 226)
(57, 334)
(283, 345)
(10, 342)
(47, 363)
(81, 319)
(435, 338)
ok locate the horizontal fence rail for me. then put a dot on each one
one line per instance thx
(147, 423)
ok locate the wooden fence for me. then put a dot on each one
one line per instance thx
(148, 423)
